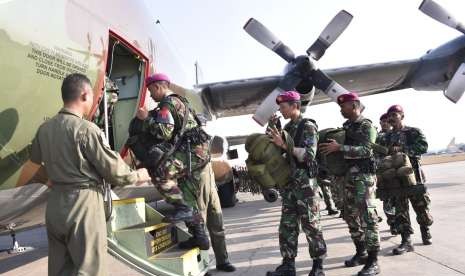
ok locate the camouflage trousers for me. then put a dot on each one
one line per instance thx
(360, 209)
(389, 210)
(326, 193)
(420, 204)
(301, 207)
(176, 186)
(337, 191)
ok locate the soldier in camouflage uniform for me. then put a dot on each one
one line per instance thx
(300, 200)
(412, 142)
(77, 158)
(359, 207)
(388, 204)
(325, 182)
(177, 175)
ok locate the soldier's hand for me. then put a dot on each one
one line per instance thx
(143, 176)
(142, 113)
(276, 138)
(329, 147)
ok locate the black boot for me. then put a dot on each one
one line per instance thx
(405, 245)
(426, 235)
(182, 212)
(287, 268)
(360, 256)
(227, 267)
(317, 268)
(199, 238)
(371, 268)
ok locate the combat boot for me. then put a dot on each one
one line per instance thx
(426, 235)
(199, 238)
(317, 268)
(360, 256)
(371, 267)
(182, 212)
(405, 245)
(287, 268)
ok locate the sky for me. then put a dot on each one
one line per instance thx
(210, 32)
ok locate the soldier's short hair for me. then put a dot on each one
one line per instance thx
(72, 86)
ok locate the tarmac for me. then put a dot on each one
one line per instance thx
(252, 238)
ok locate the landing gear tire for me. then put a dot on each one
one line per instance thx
(227, 195)
(270, 195)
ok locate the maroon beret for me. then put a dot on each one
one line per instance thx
(156, 77)
(349, 97)
(288, 96)
(395, 108)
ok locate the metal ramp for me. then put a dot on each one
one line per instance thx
(137, 236)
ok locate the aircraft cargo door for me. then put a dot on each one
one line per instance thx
(125, 71)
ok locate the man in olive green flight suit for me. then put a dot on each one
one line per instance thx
(193, 190)
(77, 158)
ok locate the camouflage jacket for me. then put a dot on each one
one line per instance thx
(168, 123)
(169, 119)
(357, 148)
(305, 159)
(410, 139)
(381, 140)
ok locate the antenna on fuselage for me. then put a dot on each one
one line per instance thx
(176, 51)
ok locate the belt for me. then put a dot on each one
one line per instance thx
(75, 186)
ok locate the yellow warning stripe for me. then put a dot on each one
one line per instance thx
(128, 201)
(155, 227)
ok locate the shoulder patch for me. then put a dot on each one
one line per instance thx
(164, 116)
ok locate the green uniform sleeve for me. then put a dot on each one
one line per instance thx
(36, 154)
(161, 130)
(417, 143)
(367, 133)
(310, 142)
(108, 163)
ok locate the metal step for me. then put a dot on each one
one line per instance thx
(138, 237)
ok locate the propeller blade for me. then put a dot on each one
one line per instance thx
(435, 11)
(456, 86)
(331, 88)
(332, 31)
(267, 108)
(261, 34)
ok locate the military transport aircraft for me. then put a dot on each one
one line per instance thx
(118, 40)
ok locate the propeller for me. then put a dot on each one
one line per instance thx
(258, 31)
(332, 31)
(435, 11)
(301, 68)
(456, 87)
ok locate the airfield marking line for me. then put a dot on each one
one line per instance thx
(433, 260)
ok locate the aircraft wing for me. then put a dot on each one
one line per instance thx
(239, 97)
